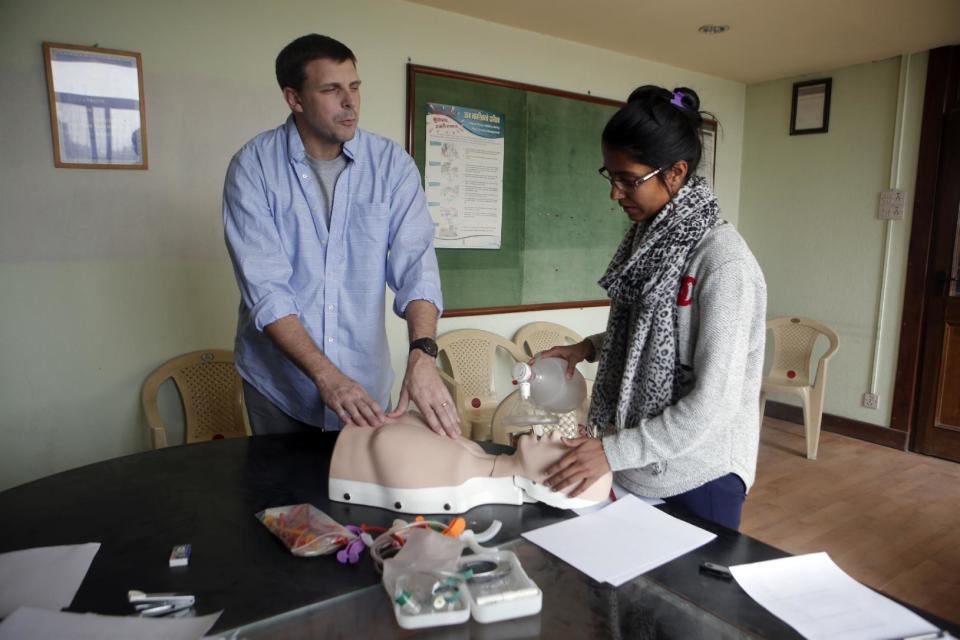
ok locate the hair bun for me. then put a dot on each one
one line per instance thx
(648, 93)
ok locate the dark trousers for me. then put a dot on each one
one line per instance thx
(267, 418)
(719, 500)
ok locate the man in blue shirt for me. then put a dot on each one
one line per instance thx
(319, 217)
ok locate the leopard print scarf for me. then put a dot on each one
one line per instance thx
(638, 375)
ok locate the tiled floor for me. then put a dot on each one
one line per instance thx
(890, 519)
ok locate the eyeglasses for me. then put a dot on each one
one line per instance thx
(626, 185)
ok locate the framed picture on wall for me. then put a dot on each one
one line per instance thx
(97, 113)
(810, 108)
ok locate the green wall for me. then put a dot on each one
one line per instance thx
(809, 214)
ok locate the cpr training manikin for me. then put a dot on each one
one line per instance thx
(404, 466)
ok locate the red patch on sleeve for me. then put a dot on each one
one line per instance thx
(685, 299)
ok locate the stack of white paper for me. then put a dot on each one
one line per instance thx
(815, 597)
(36, 583)
(27, 622)
(45, 577)
(621, 541)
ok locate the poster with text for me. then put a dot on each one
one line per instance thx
(463, 176)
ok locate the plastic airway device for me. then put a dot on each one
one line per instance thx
(350, 554)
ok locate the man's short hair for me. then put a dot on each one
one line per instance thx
(294, 58)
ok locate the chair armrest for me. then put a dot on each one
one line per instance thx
(148, 395)
(824, 360)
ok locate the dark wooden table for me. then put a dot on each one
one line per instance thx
(138, 507)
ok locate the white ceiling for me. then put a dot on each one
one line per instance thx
(768, 39)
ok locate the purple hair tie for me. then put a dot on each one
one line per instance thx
(678, 99)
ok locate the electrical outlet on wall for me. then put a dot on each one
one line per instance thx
(870, 400)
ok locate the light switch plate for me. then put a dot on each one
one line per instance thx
(893, 205)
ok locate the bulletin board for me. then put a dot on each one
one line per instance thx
(559, 226)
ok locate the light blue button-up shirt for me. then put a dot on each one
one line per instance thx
(288, 263)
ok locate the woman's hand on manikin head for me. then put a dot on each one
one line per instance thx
(581, 467)
(572, 353)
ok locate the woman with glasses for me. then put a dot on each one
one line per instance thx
(675, 403)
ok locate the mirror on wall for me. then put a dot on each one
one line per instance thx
(97, 113)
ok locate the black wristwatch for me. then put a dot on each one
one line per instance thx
(427, 345)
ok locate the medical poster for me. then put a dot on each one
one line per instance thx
(463, 176)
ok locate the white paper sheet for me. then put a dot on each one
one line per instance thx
(621, 541)
(815, 597)
(44, 577)
(27, 622)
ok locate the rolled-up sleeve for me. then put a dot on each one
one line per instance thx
(260, 264)
(412, 271)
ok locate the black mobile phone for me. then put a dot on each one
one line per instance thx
(716, 570)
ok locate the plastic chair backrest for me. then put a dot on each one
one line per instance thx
(211, 392)
(540, 336)
(793, 342)
(471, 354)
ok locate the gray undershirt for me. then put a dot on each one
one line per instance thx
(326, 172)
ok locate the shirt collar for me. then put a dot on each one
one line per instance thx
(297, 153)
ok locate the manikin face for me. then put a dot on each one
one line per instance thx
(645, 201)
(327, 107)
(536, 453)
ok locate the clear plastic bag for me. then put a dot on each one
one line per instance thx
(424, 551)
(305, 530)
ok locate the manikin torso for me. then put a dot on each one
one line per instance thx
(405, 463)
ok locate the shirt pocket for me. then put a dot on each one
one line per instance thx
(369, 223)
(367, 233)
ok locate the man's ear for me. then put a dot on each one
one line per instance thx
(292, 99)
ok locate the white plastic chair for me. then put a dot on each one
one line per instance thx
(535, 337)
(471, 354)
(211, 392)
(793, 341)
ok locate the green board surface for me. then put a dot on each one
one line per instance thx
(559, 227)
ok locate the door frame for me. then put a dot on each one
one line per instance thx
(943, 82)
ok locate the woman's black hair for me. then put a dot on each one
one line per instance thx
(293, 59)
(658, 127)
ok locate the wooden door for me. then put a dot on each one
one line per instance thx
(938, 425)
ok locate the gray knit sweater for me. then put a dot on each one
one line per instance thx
(714, 428)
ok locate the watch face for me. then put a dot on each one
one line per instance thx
(427, 345)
